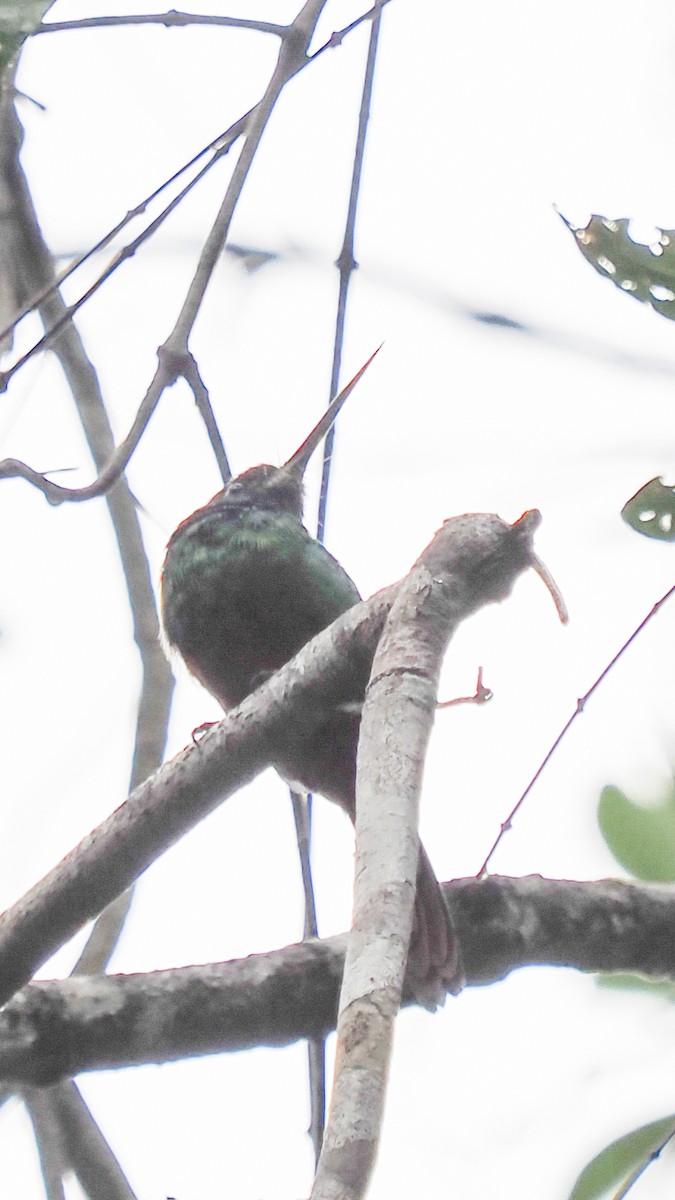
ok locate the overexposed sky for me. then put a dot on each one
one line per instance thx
(484, 118)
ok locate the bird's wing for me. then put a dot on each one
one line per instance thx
(326, 585)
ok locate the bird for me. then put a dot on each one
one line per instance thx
(244, 587)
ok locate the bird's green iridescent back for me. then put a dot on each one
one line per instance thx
(243, 590)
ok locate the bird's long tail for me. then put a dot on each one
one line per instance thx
(434, 962)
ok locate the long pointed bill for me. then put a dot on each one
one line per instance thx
(299, 460)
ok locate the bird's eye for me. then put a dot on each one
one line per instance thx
(234, 487)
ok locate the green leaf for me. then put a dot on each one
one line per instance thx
(651, 511)
(614, 1165)
(641, 839)
(645, 272)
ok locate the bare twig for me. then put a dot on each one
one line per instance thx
(168, 19)
(48, 1140)
(174, 356)
(122, 255)
(346, 263)
(338, 36)
(303, 833)
(580, 705)
(221, 144)
(316, 1058)
(91, 1159)
(203, 402)
(69, 1140)
(169, 369)
(56, 1028)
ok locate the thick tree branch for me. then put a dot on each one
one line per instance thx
(397, 719)
(183, 791)
(55, 1029)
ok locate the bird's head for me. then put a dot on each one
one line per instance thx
(279, 489)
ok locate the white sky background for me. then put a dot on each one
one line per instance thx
(484, 116)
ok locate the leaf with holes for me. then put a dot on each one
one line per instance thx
(645, 272)
(652, 510)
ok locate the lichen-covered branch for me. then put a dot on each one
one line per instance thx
(54, 1029)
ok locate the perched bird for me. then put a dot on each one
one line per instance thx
(244, 588)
